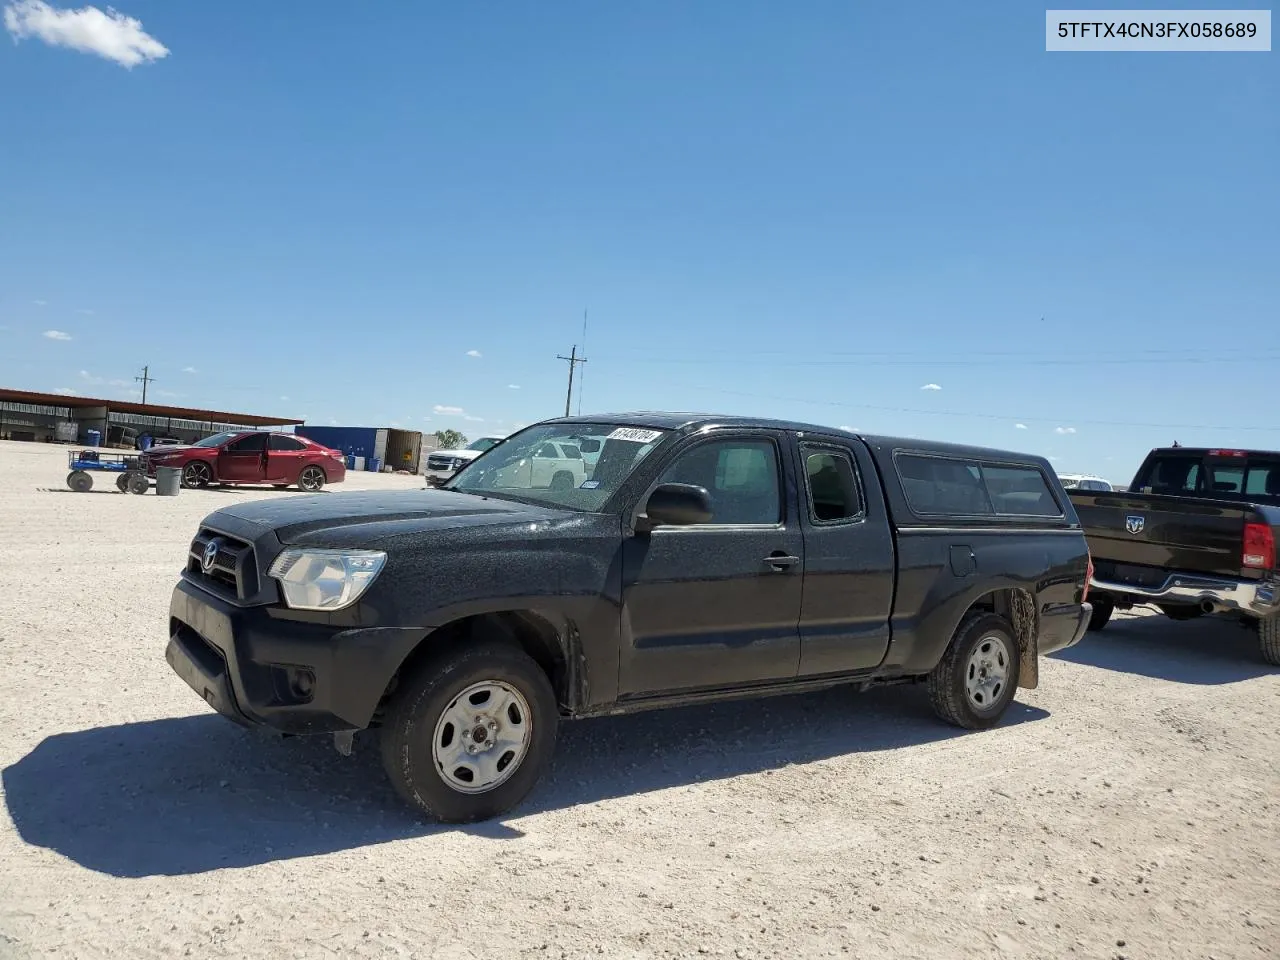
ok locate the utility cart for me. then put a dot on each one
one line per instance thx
(130, 476)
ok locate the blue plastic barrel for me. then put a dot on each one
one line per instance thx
(373, 464)
(93, 437)
(351, 461)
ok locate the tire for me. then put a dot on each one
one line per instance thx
(1103, 608)
(196, 474)
(79, 481)
(138, 483)
(562, 480)
(311, 479)
(1269, 639)
(122, 483)
(983, 641)
(418, 718)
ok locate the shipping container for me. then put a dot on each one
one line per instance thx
(404, 450)
(354, 441)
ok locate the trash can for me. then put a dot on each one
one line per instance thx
(374, 464)
(93, 437)
(351, 461)
(168, 481)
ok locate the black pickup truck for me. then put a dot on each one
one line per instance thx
(701, 558)
(1195, 533)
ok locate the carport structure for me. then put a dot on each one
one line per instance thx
(30, 415)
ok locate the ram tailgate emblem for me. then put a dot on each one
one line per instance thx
(1134, 524)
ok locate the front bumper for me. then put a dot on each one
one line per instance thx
(1257, 598)
(1063, 626)
(259, 668)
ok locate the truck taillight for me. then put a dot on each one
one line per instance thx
(1228, 453)
(1088, 578)
(1259, 546)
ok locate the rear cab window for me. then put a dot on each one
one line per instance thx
(937, 485)
(1236, 475)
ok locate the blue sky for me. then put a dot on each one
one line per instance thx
(807, 211)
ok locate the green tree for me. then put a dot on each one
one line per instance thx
(450, 440)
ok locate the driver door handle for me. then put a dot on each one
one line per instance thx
(780, 561)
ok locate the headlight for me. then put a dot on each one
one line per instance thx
(326, 579)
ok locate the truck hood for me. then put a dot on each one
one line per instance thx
(455, 454)
(350, 517)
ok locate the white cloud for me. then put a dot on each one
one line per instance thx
(284, 398)
(473, 353)
(86, 313)
(1064, 430)
(168, 394)
(444, 409)
(1054, 459)
(67, 392)
(426, 419)
(110, 35)
(395, 424)
(57, 335)
(1019, 426)
(189, 370)
(849, 429)
(931, 386)
(90, 379)
(474, 419)
(40, 303)
(513, 386)
(333, 423)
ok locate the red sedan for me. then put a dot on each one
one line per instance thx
(280, 459)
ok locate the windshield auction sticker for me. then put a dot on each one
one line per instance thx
(1130, 31)
(634, 435)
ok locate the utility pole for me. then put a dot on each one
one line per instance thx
(574, 360)
(144, 380)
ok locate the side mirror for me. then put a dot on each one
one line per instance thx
(678, 505)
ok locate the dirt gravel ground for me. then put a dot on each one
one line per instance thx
(1127, 808)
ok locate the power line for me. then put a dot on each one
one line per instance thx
(951, 361)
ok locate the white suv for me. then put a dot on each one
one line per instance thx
(443, 464)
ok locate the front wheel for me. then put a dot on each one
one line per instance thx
(196, 474)
(468, 734)
(977, 678)
(1269, 639)
(311, 479)
(79, 481)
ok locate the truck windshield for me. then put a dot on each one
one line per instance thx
(576, 466)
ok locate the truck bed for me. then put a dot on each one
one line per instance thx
(1137, 537)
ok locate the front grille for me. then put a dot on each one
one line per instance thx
(233, 568)
(442, 463)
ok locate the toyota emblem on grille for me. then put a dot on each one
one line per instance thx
(210, 555)
(1134, 524)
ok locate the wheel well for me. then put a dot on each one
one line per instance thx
(1019, 608)
(533, 634)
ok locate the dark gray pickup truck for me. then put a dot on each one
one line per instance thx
(698, 558)
(1195, 533)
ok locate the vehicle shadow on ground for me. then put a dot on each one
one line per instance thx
(193, 794)
(1207, 650)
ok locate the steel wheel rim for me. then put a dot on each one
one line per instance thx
(482, 737)
(986, 675)
(197, 474)
(309, 479)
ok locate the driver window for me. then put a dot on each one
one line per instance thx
(740, 475)
(547, 452)
(255, 443)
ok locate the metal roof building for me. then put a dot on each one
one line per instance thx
(29, 415)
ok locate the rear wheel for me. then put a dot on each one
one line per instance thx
(79, 481)
(122, 483)
(974, 683)
(468, 734)
(311, 479)
(138, 483)
(1103, 608)
(562, 480)
(196, 474)
(1269, 639)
